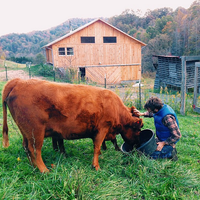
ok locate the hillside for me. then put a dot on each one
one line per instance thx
(28, 45)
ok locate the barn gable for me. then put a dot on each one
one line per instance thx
(87, 25)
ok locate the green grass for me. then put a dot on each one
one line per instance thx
(10, 65)
(121, 176)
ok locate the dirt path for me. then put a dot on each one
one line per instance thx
(15, 74)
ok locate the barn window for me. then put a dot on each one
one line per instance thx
(61, 51)
(87, 39)
(70, 51)
(109, 40)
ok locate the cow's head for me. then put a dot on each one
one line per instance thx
(131, 132)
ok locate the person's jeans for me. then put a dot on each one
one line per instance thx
(166, 152)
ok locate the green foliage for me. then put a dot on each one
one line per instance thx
(152, 32)
(40, 59)
(41, 70)
(20, 59)
(162, 22)
(132, 31)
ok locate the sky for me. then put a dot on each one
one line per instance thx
(23, 16)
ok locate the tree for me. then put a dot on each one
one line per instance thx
(161, 23)
(152, 32)
(39, 59)
(2, 54)
(160, 45)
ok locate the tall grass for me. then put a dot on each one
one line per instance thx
(121, 176)
(132, 96)
(11, 65)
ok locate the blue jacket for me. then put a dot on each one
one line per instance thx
(162, 132)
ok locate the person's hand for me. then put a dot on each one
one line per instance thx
(160, 146)
(138, 112)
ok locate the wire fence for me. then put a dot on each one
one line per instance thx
(132, 93)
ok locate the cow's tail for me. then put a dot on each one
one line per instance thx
(6, 91)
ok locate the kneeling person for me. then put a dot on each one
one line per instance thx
(167, 128)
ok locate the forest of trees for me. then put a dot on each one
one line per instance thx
(166, 32)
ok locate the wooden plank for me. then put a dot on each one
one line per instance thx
(195, 84)
(183, 85)
(192, 58)
(114, 65)
(195, 108)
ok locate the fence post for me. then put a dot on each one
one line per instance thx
(183, 85)
(79, 77)
(29, 66)
(6, 71)
(44, 69)
(140, 98)
(54, 74)
(105, 81)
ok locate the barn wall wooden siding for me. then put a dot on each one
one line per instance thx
(126, 52)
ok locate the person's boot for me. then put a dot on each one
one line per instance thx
(174, 155)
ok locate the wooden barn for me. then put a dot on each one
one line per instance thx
(98, 50)
(171, 70)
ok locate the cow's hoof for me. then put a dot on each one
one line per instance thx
(118, 149)
(64, 154)
(104, 148)
(44, 171)
(96, 167)
(5, 144)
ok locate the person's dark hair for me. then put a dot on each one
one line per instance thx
(153, 103)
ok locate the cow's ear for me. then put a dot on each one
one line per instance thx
(133, 112)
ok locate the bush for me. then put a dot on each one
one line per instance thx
(45, 70)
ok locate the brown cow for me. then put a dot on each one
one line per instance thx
(48, 109)
(57, 142)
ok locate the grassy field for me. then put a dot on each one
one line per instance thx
(10, 65)
(121, 176)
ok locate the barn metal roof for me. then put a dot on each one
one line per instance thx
(86, 25)
(166, 56)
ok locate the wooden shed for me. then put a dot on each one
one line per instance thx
(98, 50)
(170, 71)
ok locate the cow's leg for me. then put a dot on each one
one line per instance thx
(25, 146)
(34, 151)
(61, 146)
(58, 142)
(55, 144)
(104, 147)
(28, 152)
(98, 140)
(35, 155)
(114, 141)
